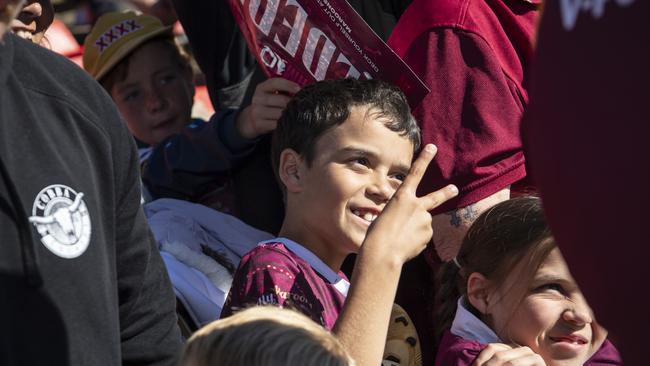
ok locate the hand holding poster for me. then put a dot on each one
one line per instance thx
(312, 40)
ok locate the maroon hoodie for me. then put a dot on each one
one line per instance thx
(473, 55)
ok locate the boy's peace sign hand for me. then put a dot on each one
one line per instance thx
(404, 226)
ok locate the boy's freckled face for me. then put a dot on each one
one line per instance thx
(155, 99)
(553, 319)
(357, 167)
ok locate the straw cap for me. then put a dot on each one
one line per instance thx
(114, 36)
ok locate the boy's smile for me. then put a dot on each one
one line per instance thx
(357, 167)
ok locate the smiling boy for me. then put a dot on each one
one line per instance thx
(342, 150)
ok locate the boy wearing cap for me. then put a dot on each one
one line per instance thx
(342, 153)
(135, 59)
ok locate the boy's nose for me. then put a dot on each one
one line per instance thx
(154, 102)
(380, 190)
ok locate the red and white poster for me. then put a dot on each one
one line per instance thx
(311, 40)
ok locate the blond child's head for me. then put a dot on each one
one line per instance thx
(264, 336)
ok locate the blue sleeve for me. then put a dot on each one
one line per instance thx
(191, 162)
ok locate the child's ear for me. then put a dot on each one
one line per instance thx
(478, 291)
(289, 170)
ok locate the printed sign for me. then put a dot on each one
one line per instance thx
(312, 40)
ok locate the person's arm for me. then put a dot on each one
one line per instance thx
(399, 233)
(479, 141)
(188, 163)
(148, 324)
(449, 228)
(473, 115)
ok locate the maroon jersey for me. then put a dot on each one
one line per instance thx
(283, 273)
(473, 55)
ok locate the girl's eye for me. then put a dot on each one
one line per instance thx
(550, 287)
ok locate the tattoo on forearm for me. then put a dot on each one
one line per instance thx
(466, 214)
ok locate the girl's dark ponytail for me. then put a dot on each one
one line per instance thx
(449, 279)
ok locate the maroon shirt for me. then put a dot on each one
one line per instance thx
(587, 144)
(458, 351)
(473, 55)
(273, 274)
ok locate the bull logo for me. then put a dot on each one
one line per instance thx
(61, 217)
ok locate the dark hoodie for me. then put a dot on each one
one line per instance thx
(81, 280)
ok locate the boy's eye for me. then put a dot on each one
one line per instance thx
(400, 177)
(130, 96)
(166, 79)
(361, 161)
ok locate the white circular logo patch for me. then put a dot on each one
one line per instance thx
(61, 217)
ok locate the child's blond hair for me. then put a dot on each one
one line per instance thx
(264, 335)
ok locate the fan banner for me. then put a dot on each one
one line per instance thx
(311, 40)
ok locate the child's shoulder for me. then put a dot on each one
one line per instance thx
(271, 253)
(457, 351)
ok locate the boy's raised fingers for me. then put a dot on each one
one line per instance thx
(437, 198)
(418, 168)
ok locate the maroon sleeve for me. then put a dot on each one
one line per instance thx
(269, 277)
(472, 115)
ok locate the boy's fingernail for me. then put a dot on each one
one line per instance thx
(453, 189)
(430, 148)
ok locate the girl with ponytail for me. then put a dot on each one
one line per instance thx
(508, 297)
